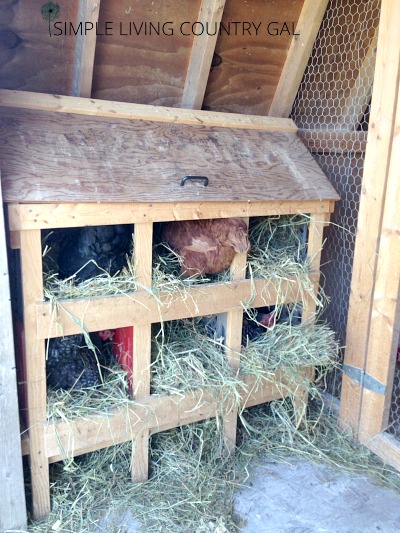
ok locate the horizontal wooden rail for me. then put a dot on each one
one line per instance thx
(140, 308)
(157, 413)
(71, 215)
(102, 108)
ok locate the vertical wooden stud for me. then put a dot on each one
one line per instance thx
(35, 357)
(142, 348)
(377, 157)
(385, 315)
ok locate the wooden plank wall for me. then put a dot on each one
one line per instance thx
(12, 501)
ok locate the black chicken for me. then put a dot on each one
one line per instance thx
(70, 363)
(93, 249)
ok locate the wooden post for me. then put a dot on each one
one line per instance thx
(35, 358)
(12, 502)
(297, 58)
(201, 56)
(85, 47)
(384, 322)
(142, 348)
(233, 343)
(377, 158)
(314, 249)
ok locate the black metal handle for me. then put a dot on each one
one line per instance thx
(195, 178)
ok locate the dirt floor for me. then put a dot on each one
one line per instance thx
(303, 497)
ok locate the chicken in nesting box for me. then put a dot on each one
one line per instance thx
(206, 246)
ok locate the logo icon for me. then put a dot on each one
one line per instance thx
(50, 11)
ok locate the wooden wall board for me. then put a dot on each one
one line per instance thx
(117, 110)
(50, 157)
(246, 79)
(145, 68)
(31, 59)
(12, 502)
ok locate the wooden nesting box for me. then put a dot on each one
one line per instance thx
(70, 162)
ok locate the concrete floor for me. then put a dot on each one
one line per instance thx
(302, 497)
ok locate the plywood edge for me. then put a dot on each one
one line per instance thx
(117, 110)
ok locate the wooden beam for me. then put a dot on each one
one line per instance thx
(116, 110)
(201, 55)
(379, 147)
(12, 503)
(385, 323)
(152, 413)
(297, 58)
(141, 308)
(51, 215)
(85, 46)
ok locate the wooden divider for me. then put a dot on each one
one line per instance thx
(143, 248)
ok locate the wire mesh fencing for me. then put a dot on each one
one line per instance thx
(331, 111)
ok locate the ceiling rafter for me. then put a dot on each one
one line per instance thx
(202, 53)
(297, 58)
(85, 47)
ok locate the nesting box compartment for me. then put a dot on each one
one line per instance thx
(63, 170)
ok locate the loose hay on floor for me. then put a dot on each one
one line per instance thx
(192, 482)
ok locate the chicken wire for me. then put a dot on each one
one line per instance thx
(331, 110)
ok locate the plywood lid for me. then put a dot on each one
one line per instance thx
(52, 157)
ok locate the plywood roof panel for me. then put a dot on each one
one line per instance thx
(246, 79)
(31, 59)
(145, 68)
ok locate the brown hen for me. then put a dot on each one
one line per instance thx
(206, 246)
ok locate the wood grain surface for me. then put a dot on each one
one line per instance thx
(246, 79)
(31, 59)
(65, 158)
